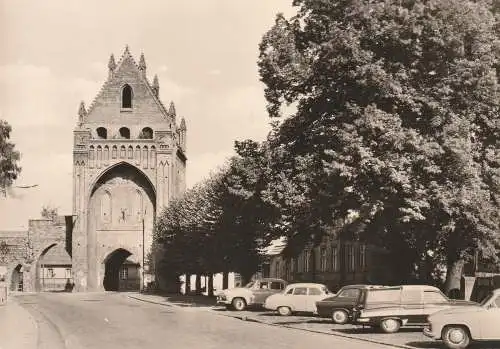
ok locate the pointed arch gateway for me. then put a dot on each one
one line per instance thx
(116, 239)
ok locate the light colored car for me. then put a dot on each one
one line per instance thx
(391, 308)
(458, 326)
(252, 294)
(298, 297)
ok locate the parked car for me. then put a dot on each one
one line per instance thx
(459, 326)
(339, 307)
(390, 308)
(252, 294)
(298, 297)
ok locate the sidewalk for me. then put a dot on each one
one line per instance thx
(18, 329)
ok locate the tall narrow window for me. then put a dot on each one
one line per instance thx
(106, 155)
(138, 155)
(351, 261)
(130, 152)
(99, 156)
(362, 257)
(152, 153)
(145, 157)
(323, 259)
(335, 258)
(115, 152)
(127, 96)
(122, 152)
(91, 156)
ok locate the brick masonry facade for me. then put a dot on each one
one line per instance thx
(129, 161)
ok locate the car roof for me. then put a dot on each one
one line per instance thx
(412, 287)
(271, 279)
(306, 284)
(361, 286)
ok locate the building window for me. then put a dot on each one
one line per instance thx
(322, 260)
(292, 265)
(68, 273)
(362, 257)
(123, 273)
(114, 152)
(127, 96)
(335, 258)
(146, 133)
(130, 152)
(351, 262)
(122, 152)
(102, 133)
(307, 255)
(50, 273)
(124, 132)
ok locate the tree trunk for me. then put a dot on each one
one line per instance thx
(187, 284)
(225, 280)
(198, 284)
(210, 285)
(454, 277)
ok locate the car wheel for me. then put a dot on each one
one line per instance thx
(456, 337)
(390, 325)
(340, 317)
(284, 311)
(239, 304)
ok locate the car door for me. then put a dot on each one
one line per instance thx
(314, 294)
(433, 302)
(261, 292)
(298, 299)
(412, 306)
(490, 321)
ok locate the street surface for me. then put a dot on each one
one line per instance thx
(112, 320)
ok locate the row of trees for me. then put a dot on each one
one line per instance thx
(396, 117)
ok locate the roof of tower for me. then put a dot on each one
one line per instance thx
(127, 57)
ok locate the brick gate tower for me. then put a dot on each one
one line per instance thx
(129, 161)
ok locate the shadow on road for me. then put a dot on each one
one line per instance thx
(360, 330)
(439, 344)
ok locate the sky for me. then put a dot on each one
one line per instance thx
(54, 54)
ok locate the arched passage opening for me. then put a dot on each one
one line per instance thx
(53, 269)
(121, 213)
(16, 279)
(120, 272)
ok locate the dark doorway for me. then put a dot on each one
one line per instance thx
(16, 281)
(121, 274)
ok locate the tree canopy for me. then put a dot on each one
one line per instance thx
(397, 119)
(9, 158)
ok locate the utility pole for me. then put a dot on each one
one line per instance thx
(143, 248)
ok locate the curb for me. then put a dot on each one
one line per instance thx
(250, 319)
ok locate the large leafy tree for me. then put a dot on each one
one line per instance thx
(9, 158)
(396, 118)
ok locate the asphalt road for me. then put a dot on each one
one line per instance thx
(111, 320)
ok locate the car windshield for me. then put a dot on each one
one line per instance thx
(486, 299)
(250, 284)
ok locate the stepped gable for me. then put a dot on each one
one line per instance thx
(107, 107)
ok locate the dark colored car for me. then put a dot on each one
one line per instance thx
(340, 307)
